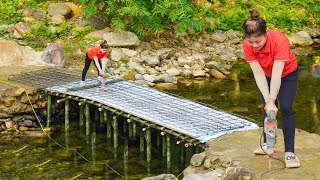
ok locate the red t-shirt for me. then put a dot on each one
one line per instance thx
(277, 48)
(96, 52)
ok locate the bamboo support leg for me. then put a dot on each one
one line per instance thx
(49, 110)
(66, 117)
(93, 145)
(141, 141)
(168, 139)
(126, 159)
(148, 140)
(87, 112)
(81, 115)
(115, 132)
(109, 129)
(164, 147)
(134, 130)
(101, 122)
(130, 130)
(182, 156)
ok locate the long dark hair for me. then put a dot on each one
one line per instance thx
(254, 26)
(104, 44)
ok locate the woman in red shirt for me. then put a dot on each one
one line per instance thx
(275, 69)
(99, 55)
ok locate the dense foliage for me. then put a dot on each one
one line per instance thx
(156, 15)
(153, 17)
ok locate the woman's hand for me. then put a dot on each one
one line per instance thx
(270, 105)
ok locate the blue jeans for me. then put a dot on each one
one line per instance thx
(287, 93)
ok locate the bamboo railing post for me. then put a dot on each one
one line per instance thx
(66, 115)
(49, 110)
(101, 122)
(87, 113)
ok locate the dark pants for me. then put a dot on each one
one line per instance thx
(287, 93)
(87, 63)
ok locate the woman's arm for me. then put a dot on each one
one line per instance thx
(261, 80)
(275, 85)
(95, 58)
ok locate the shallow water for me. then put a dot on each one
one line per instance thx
(82, 157)
(243, 98)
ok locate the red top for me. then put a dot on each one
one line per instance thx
(277, 48)
(96, 52)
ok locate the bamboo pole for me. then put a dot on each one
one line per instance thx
(126, 158)
(141, 146)
(134, 130)
(164, 145)
(81, 115)
(87, 113)
(109, 129)
(182, 156)
(115, 132)
(49, 110)
(149, 145)
(168, 139)
(66, 117)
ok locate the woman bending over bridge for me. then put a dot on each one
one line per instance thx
(99, 55)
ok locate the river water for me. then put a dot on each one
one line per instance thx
(80, 156)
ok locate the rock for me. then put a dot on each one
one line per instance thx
(60, 9)
(117, 54)
(35, 133)
(206, 176)
(99, 22)
(173, 71)
(22, 28)
(31, 14)
(162, 177)
(148, 78)
(151, 60)
(301, 38)
(207, 163)
(218, 37)
(13, 92)
(199, 73)
(92, 168)
(239, 173)
(216, 74)
(122, 39)
(23, 128)
(163, 86)
(197, 160)
(9, 124)
(53, 54)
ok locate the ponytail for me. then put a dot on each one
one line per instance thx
(104, 44)
(254, 25)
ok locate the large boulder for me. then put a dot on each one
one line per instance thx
(11, 53)
(53, 54)
(301, 38)
(122, 39)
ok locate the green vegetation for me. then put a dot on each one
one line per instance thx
(155, 17)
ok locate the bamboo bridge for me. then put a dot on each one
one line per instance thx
(141, 111)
